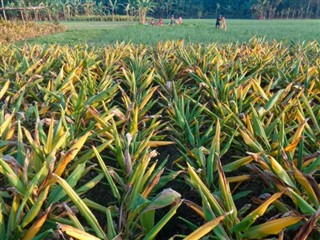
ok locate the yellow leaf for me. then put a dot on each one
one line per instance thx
(34, 229)
(134, 122)
(239, 178)
(204, 229)
(292, 145)
(76, 233)
(64, 162)
(306, 186)
(249, 125)
(4, 88)
(49, 142)
(254, 145)
(159, 143)
(280, 172)
(195, 207)
(75, 148)
(251, 217)
(258, 88)
(297, 135)
(271, 227)
(6, 123)
(147, 98)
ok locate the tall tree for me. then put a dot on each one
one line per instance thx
(113, 5)
(4, 12)
(144, 6)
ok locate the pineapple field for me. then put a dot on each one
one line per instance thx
(169, 141)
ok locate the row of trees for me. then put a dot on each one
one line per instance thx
(66, 9)
(57, 9)
(286, 8)
(261, 9)
(267, 9)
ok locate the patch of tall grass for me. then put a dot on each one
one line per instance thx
(13, 31)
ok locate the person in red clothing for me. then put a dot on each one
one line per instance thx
(152, 22)
(160, 22)
(179, 20)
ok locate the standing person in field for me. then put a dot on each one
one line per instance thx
(180, 20)
(160, 22)
(223, 23)
(172, 20)
(152, 22)
(218, 21)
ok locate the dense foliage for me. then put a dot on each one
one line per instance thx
(187, 8)
(99, 142)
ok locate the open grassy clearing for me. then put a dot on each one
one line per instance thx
(85, 135)
(192, 31)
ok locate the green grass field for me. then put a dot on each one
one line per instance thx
(192, 31)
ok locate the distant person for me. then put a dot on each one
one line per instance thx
(180, 21)
(172, 20)
(223, 24)
(218, 21)
(152, 22)
(160, 22)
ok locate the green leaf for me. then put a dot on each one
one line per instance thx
(2, 223)
(111, 232)
(84, 210)
(156, 229)
(147, 221)
(105, 170)
(35, 209)
(11, 176)
(163, 199)
(273, 100)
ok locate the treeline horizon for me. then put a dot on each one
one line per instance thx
(251, 9)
